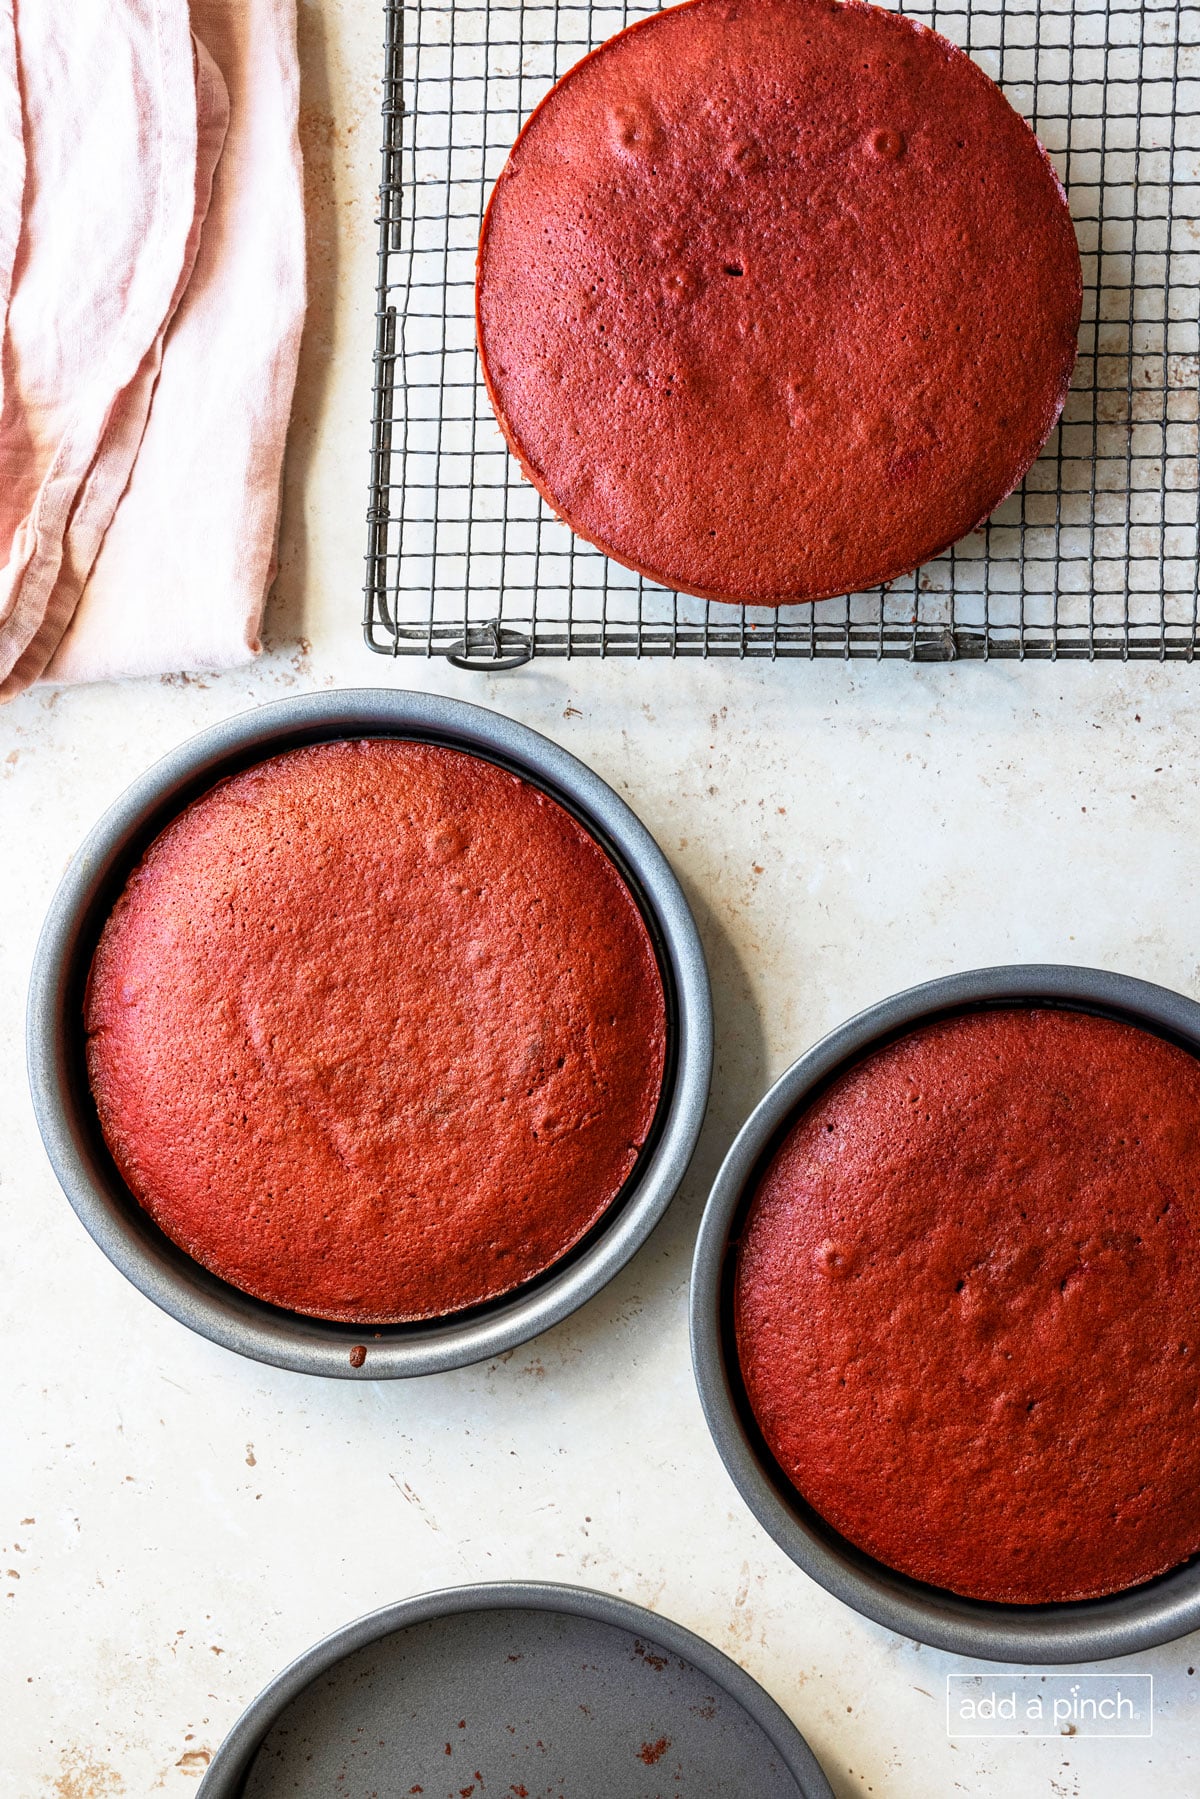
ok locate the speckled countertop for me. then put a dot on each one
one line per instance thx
(177, 1523)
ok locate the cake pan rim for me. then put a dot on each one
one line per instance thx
(1053, 1634)
(230, 1766)
(162, 1272)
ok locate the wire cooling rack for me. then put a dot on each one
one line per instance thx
(1094, 556)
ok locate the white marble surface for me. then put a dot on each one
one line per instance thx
(176, 1523)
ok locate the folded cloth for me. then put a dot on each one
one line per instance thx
(12, 166)
(183, 573)
(152, 333)
(107, 117)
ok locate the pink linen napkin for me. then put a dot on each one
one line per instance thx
(152, 332)
(12, 167)
(183, 573)
(108, 135)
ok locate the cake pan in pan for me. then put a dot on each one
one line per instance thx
(1084, 1630)
(67, 1116)
(514, 1688)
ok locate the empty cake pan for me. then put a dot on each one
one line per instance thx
(67, 1115)
(1139, 1618)
(494, 1688)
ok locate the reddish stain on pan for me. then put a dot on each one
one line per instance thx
(650, 1753)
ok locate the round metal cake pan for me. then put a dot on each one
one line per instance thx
(66, 1113)
(1081, 1631)
(493, 1688)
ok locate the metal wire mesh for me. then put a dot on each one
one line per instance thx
(1094, 556)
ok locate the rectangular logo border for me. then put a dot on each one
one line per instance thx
(1025, 1736)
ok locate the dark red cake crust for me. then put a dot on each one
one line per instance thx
(968, 1305)
(376, 1031)
(776, 299)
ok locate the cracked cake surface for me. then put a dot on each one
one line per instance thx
(376, 1030)
(776, 299)
(967, 1305)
